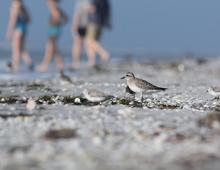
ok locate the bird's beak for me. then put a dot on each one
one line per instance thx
(123, 77)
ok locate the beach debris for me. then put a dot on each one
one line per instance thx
(65, 133)
(99, 69)
(176, 138)
(128, 102)
(77, 100)
(12, 99)
(35, 86)
(178, 66)
(38, 86)
(142, 136)
(212, 120)
(68, 99)
(47, 99)
(31, 104)
(19, 115)
(196, 158)
(201, 61)
(21, 148)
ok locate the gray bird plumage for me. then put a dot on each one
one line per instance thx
(146, 85)
(138, 85)
(95, 95)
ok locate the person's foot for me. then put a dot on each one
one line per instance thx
(76, 66)
(105, 57)
(60, 66)
(42, 68)
(10, 67)
(91, 64)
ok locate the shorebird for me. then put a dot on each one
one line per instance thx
(214, 91)
(94, 95)
(138, 85)
(65, 78)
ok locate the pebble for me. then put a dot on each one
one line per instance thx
(77, 100)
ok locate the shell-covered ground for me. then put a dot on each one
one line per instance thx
(174, 129)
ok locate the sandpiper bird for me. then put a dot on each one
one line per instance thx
(65, 78)
(214, 91)
(138, 85)
(94, 95)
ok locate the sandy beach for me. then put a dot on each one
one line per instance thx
(174, 129)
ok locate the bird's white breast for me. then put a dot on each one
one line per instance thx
(214, 93)
(134, 88)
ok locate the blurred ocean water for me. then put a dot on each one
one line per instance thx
(143, 26)
(142, 30)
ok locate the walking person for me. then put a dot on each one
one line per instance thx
(57, 19)
(99, 18)
(16, 33)
(80, 23)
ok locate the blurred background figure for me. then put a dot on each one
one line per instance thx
(99, 18)
(57, 19)
(80, 23)
(16, 33)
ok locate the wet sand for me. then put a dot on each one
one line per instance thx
(169, 130)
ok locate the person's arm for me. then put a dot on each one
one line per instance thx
(64, 17)
(91, 8)
(54, 11)
(28, 18)
(12, 20)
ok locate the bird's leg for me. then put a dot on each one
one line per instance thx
(133, 96)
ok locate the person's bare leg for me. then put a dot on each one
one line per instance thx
(50, 49)
(91, 53)
(26, 57)
(24, 53)
(76, 51)
(16, 51)
(101, 51)
(59, 61)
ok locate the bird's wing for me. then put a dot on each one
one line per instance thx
(146, 85)
(216, 88)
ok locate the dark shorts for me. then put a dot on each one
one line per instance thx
(82, 32)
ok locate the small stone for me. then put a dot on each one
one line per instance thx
(60, 134)
(97, 140)
(212, 120)
(77, 100)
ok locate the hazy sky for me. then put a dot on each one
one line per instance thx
(149, 25)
